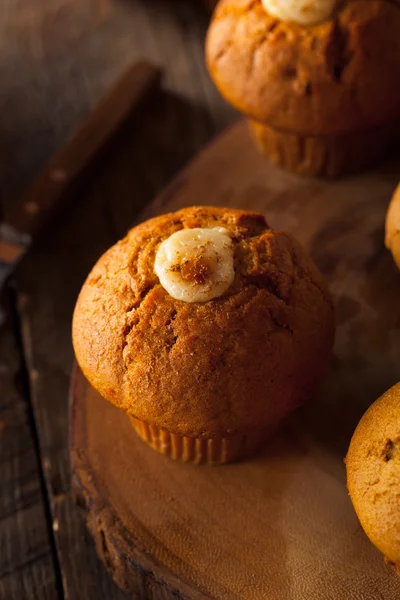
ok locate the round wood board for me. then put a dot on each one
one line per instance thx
(279, 526)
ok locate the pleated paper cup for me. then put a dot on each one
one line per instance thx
(197, 450)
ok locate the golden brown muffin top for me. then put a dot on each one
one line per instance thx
(333, 77)
(392, 239)
(237, 362)
(373, 473)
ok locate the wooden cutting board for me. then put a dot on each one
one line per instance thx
(279, 526)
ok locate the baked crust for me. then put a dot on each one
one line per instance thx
(393, 227)
(237, 363)
(338, 76)
(373, 474)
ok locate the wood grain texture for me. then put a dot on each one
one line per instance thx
(26, 562)
(280, 526)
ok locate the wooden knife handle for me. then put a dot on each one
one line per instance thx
(48, 191)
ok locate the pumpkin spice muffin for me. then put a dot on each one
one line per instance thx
(393, 227)
(373, 474)
(318, 80)
(207, 327)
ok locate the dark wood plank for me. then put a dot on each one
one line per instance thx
(26, 562)
(58, 57)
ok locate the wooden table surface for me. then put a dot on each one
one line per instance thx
(56, 59)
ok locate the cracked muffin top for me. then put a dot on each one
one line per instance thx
(373, 474)
(335, 76)
(239, 356)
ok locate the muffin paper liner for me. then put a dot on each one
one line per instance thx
(196, 450)
(327, 156)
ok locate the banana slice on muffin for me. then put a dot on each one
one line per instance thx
(373, 474)
(392, 239)
(206, 327)
(306, 12)
(196, 265)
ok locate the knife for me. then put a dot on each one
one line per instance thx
(49, 191)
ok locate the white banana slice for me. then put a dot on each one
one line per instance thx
(196, 265)
(305, 12)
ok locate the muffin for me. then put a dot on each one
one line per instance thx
(393, 227)
(373, 474)
(317, 80)
(206, 327)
